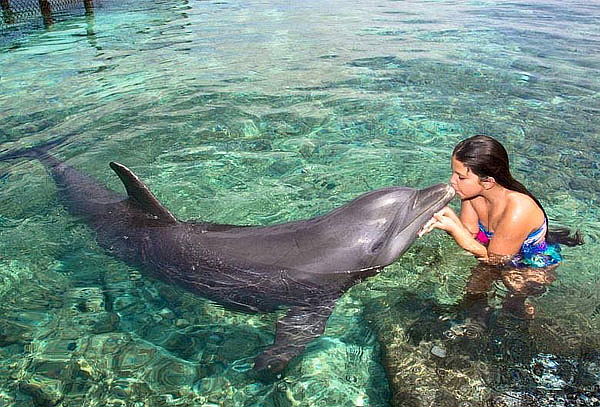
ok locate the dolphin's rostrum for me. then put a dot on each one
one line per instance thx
(304, 265)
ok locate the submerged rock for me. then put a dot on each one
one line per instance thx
(44, 391)
(438, 351)
(106, 322)
(510, 362)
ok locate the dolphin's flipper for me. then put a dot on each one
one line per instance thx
(300, 325)
(141, 194)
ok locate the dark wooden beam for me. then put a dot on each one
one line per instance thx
(46, 10)
(89, 6)
(7, 14)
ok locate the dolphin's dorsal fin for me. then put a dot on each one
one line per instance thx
(141, 195)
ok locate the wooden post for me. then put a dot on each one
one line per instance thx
(89, 7)
(46, 10)
(89, 18)
(7, 14)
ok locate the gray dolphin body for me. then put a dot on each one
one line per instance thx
(304, 265)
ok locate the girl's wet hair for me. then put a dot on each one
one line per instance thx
(486, 157)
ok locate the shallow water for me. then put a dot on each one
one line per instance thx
(262, 112)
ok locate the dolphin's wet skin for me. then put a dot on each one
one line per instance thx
(304, 265)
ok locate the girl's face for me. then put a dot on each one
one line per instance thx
(464, 181)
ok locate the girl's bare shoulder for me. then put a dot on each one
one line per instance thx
(524, 207)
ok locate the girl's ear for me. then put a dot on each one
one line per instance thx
(487, 182)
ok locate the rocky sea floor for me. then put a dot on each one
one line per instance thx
(437, 354)
(115, 339)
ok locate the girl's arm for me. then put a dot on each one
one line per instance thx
(447, 220)
(508, 238)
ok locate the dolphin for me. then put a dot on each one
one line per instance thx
(304, 265)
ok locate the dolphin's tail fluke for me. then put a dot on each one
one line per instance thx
(39, 152)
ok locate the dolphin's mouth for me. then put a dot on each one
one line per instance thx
(450, 193)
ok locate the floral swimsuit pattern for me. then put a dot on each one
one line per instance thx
(535, 251)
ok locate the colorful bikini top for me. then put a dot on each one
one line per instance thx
(534, 252)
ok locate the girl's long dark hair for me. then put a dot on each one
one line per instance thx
(486, 157)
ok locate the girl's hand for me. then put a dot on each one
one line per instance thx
(444, 219)
(447, 220)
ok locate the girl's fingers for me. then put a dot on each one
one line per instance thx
(443, 219)
(428, 227)
(447, 211)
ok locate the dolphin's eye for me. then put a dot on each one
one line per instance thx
(375, 248)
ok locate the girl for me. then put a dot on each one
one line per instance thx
(500, 221)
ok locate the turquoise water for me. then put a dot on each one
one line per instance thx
(262, 112)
